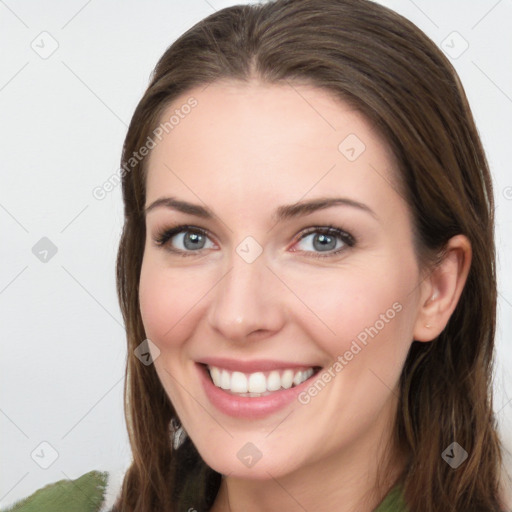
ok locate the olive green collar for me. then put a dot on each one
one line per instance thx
(393, 502)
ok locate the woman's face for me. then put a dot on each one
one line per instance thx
(259, 295)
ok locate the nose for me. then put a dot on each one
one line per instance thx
(246, 302)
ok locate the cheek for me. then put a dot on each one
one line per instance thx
(169, 302)
(348, 305)
(345, 302)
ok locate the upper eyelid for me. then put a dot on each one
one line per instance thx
(325, 229)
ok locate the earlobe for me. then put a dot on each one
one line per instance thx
(441, 290)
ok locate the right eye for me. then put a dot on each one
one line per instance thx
(190, 239)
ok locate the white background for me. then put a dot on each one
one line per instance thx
(62, 124)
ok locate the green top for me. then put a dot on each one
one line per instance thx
(85, 494)
(393, 502)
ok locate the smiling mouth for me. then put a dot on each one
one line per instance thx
(258, 384)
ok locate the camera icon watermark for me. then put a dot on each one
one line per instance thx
(44, 455)
(351, 147)
(454, 45)
(454, 455)
(249, 249)
(44, 250)
(45, 45)
(147, 352)
(249, 454)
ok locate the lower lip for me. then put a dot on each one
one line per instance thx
(249, 407)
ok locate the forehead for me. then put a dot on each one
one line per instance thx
(264, 141)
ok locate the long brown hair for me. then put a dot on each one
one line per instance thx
(393, 74)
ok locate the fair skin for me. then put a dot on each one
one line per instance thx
(245, 150)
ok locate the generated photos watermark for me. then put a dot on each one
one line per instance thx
(343, 360)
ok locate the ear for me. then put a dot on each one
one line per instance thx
(441, 289)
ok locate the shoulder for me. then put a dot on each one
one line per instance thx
(85, 493)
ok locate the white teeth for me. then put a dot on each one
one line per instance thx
(258, 383)
(273, 381)
(215, 373)
(307, 374)
(287, 379)
(225, 380)
(238, 382)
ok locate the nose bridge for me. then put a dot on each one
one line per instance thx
(243, 302)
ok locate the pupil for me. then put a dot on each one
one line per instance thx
(191, 240)
(326, 242)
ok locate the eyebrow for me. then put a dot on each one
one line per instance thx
(281, 213)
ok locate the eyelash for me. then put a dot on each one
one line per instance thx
(165, 235)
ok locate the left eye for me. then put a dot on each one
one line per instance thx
(327, 240)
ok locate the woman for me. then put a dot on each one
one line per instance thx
(306, 271)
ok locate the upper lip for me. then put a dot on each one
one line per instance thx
(255, 365)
